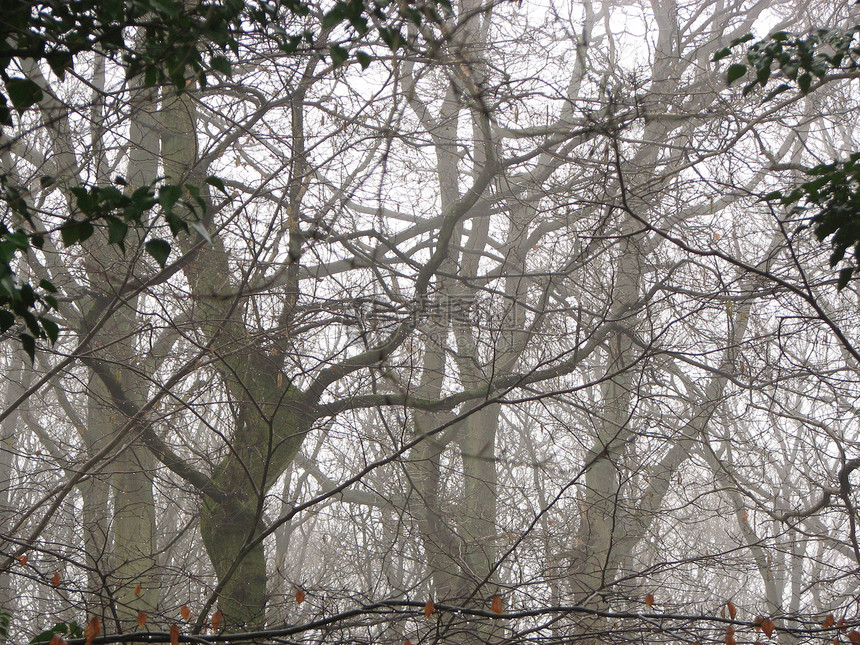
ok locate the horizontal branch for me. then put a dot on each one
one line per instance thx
(400, 609)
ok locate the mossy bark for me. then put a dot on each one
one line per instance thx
(272, 417)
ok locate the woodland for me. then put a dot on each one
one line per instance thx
(495, 321)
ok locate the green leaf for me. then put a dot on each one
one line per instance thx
(47, 285)
(844, 278)
(363, 58)
(177, 224)
(45, 636)
(60, 62)
(69, 234)
(735, 72)
(721, 54)
(7, 319)
(52, 329)
(117, 230)
(743, 39)
(23, 92)
(5, 113)
(159, 250)
(217, 183)
(168, 195)
(221, 64)
(75, 232)
(803, 82)
(28, 344)
(338, 55)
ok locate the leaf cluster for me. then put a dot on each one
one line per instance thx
(793, 59)
(831, 195)
(112, 208)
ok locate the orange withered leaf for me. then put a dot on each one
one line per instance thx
(730, 637)
(217, 617)
(829, 621)
(174, 635)
(767, 627)
(300, 596)
(649, 599)
(141, 618)
(185, 612)
(429, 608)
(757, 621)
(138, 590)
(92, 630)
(22, 560)
(56, 639)
(496, 605)
(733, 611)
(407, 642)
(55, 581)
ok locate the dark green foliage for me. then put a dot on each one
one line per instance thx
(832, 195)
(70, 630)
(107, 207)
(829, 202)
(791, 59)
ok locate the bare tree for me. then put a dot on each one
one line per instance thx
(499, 322)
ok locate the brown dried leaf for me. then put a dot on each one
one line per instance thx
(138, 590)
(496, 605)
(185, 612)
(141, 618)
(733, 611)
(757, 621)
(649, 600)
(300, 596)
(174, 635)
(829, 621)
(767, 627)
(842, 625)
(92, 630)
(56, 639)
(854, 637)
(22, 560)
(55, 581)
(217, 617)
(429, 608)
